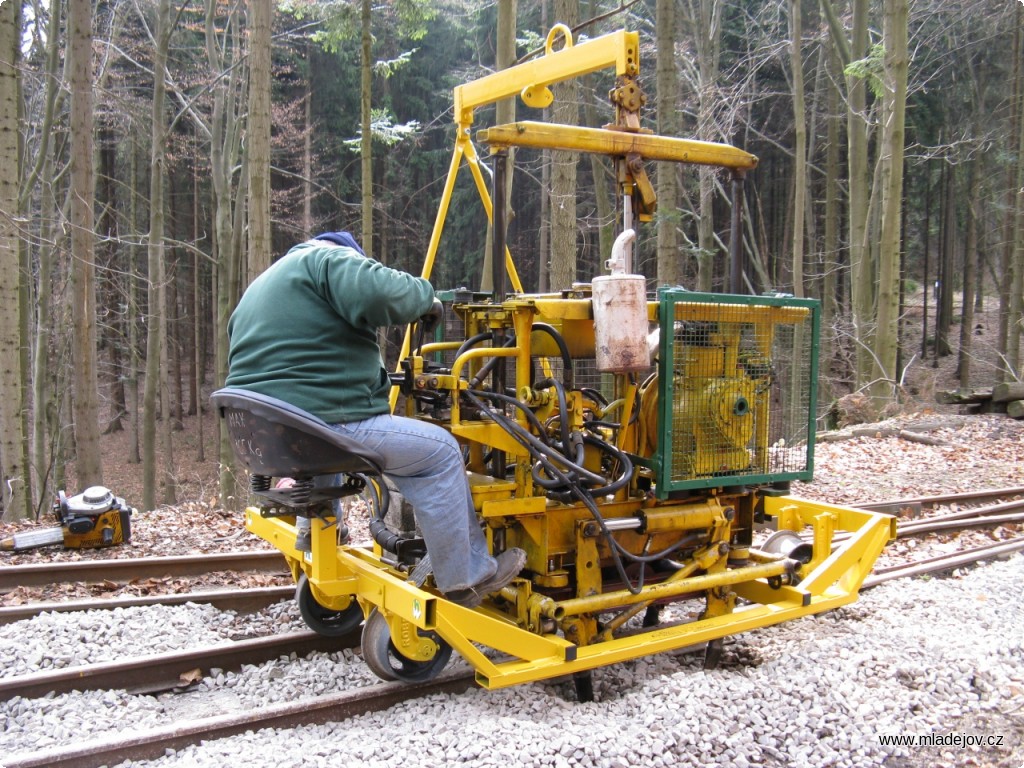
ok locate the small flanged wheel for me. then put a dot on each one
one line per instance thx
(419, 657)
(321, 619)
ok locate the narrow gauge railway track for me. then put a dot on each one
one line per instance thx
(239, 600)
(154, 673)
(162, 672)
(127, 569)
(155, 743)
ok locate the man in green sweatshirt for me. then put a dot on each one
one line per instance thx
(305, 332)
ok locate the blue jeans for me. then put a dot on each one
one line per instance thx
(424, 462)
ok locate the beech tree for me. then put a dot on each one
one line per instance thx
(83, 246)
(16, 495)
(565, 110)
(258, 136)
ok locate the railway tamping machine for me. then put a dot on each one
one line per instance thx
(634, 445)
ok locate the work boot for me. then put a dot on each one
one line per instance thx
(510, 563)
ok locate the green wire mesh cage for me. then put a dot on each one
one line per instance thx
(737, 390)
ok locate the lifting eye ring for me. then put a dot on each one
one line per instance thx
(556, 31)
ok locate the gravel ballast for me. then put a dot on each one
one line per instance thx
(938, 658)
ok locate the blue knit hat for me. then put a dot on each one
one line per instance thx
(341, 238)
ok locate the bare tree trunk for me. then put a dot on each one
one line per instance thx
(796, 65)
(134, 363)
(893, 110)
(89, 460)
(225, 127)
(1010, 205)
(44, 428)
(110, 289)
(970, 274)
(365, 106)
(15, 495)
(705, 18)
(563, 171)
(832, 257)
(504, 112)
(156, 337)
(947, 244)
(1013, 370)
(307, 156)
(926, 254)
(671, 270)
(862, 277)
(258, 136)
(198, 347)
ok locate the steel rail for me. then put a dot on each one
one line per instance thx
(959, 521)
(312, 711)
(163, 671)
(932, 501)
(976, 517)
(943, 562)
(241, 600)
(133, 568)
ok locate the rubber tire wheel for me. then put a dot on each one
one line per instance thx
(321, 619)
(385, 661)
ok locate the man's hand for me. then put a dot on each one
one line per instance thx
(432, 316)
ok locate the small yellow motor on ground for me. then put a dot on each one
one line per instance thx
(93, 518)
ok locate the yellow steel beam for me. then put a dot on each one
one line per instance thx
(660, 640)
(666, 589)
(851, 563)
(620, 49)
(618, 143)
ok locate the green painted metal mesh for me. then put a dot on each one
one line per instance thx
(736, 390)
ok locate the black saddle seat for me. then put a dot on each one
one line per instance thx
(273, 438)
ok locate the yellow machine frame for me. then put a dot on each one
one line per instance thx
(535, 628)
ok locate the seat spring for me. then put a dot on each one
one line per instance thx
(301, 491)
(259, 483)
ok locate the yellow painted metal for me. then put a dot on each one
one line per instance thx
(620, 49)
(690, 517)
(847, 566)
(667, 589)
(408, 641)
(614, 143)
(537, 655)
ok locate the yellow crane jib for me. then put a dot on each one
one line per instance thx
(530, 79)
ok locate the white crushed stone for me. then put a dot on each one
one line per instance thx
(52, 641)
(911, 657)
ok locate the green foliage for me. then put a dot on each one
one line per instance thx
(870, 69)
(340, 19)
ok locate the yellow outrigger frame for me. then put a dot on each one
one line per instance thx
(833, 580)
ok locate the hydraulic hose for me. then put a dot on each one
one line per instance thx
(563, 349)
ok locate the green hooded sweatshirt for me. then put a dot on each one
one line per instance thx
(305, 331)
